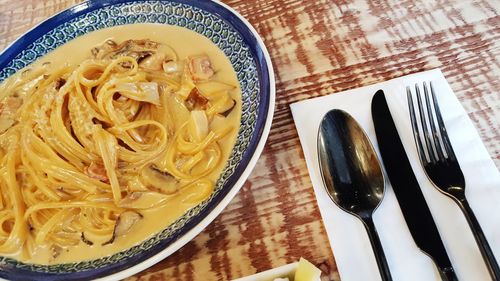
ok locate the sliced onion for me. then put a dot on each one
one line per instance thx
(141, 91)
(198, 124)
(150, 90)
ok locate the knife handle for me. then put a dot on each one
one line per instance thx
(484, 246)
(378, 250)
(448, 274)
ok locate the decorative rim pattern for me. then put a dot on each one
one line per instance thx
(204, 17)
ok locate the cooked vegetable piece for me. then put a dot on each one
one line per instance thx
(159, 180)
(137, 49)
(223, 105)
(96, 171)
(198, 124)
(141, 91)
(125, 221)
(196, 100)
(153, 62)
(123, 224)
(59, 83)
(200, 68)
(178, 109)
(170, 66)
(187, 84)
(229, 110)
(85, 240)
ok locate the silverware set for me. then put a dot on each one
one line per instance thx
(354, 180)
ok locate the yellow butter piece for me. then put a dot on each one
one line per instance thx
(306, 271)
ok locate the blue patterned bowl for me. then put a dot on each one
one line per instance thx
(249, 57)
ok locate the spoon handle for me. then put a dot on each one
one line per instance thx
(481, 241)
(383, 267)
(448, 274)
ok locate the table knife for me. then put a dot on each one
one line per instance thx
(405, 185)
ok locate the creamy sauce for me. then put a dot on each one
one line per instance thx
(185, 43)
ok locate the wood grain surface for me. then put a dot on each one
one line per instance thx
(317, 48)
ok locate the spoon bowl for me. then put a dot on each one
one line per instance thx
(352, 174)
(349, 165)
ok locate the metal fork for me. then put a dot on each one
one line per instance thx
(441, 165)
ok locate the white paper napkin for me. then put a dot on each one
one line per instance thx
(348, 238)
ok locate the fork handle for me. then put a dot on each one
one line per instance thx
(481, 241)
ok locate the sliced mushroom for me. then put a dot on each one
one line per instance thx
(96, 171)
(159, 180)
(148, 54)
(200, 68)
(134, 48)
(85, 240)
(196, 100)
(59, 83)
(226, 113)
(100, 51)
(223, 105)
(125, 221)
(153, 62)
(123, 224)
(164, 58)
(218, 123)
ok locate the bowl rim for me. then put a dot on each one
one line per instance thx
(257, 141)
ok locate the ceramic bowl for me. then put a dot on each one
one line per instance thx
(249, 58)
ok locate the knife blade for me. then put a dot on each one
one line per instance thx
(406, 188)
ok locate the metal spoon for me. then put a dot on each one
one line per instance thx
(352, 174)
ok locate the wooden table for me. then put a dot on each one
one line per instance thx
(317, 48)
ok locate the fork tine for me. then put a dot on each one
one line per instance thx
(442, 129)
(425, 129)
(434, 132)
(414, 126)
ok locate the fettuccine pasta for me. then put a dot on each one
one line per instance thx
(87, 151)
